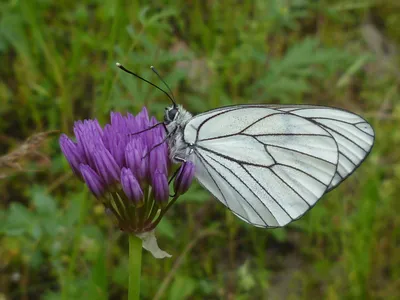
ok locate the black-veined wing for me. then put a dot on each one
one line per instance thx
(267, 166)
(354, 135)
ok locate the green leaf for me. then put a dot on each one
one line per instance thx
(74, 209)
(19, 220)
(345, 79)
(43, 202)
(289, 77)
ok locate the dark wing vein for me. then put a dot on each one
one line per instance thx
(290, 187)
(202, 160)
(230, 158)
(258, 135)
(212, 117)
(230, 171)
(258, 120)
(265, 190)
(241, 163)
(293, 150)
(308, 174)
(258, 165)
(227, 135)
(331, 119)
(328, 128)
(348, 158)
(215, 170)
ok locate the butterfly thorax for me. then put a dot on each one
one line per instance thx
(175, 120)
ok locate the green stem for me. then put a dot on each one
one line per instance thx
(135, 261)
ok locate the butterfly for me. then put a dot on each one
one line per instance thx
(268, 164)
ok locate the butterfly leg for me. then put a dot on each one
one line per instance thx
(172, 178)
(147, 129)
(159, 144)
(182, 160)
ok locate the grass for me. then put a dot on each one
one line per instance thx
(58, 65)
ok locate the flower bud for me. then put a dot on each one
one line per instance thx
(89, 137)
(92, 180)
(142, 119)
(158, 160)
(160, 186)
(71, 152)
(131, 186)
(135, 160)
(106, 166)
(184, 178)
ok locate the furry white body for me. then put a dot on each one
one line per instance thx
(178, 148)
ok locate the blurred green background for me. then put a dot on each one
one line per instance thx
(58, 65)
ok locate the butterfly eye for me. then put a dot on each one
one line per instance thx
(172, 114)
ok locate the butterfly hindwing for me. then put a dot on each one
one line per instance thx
(353, 134)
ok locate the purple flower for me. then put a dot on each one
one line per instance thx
(127, 170)
(106, 166)
(158, 160)
(160, 186)
(71, 153)
(135, 153)
(89, 136)
(184, 178)
(93, 181)
(131, 186)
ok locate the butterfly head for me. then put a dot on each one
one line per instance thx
(171, 114)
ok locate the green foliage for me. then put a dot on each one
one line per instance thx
(289, 77)
(58, 65)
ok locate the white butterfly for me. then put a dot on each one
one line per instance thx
(268, 164)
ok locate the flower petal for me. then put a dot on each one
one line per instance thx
(92, 180)
(160, 186)
(135, 153)
(89, 136)
(131, 186)
(106, 166)
(71, 153)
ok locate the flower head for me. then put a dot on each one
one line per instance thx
(128, 171)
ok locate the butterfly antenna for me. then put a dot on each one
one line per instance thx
(159, 76)
(145, 80)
